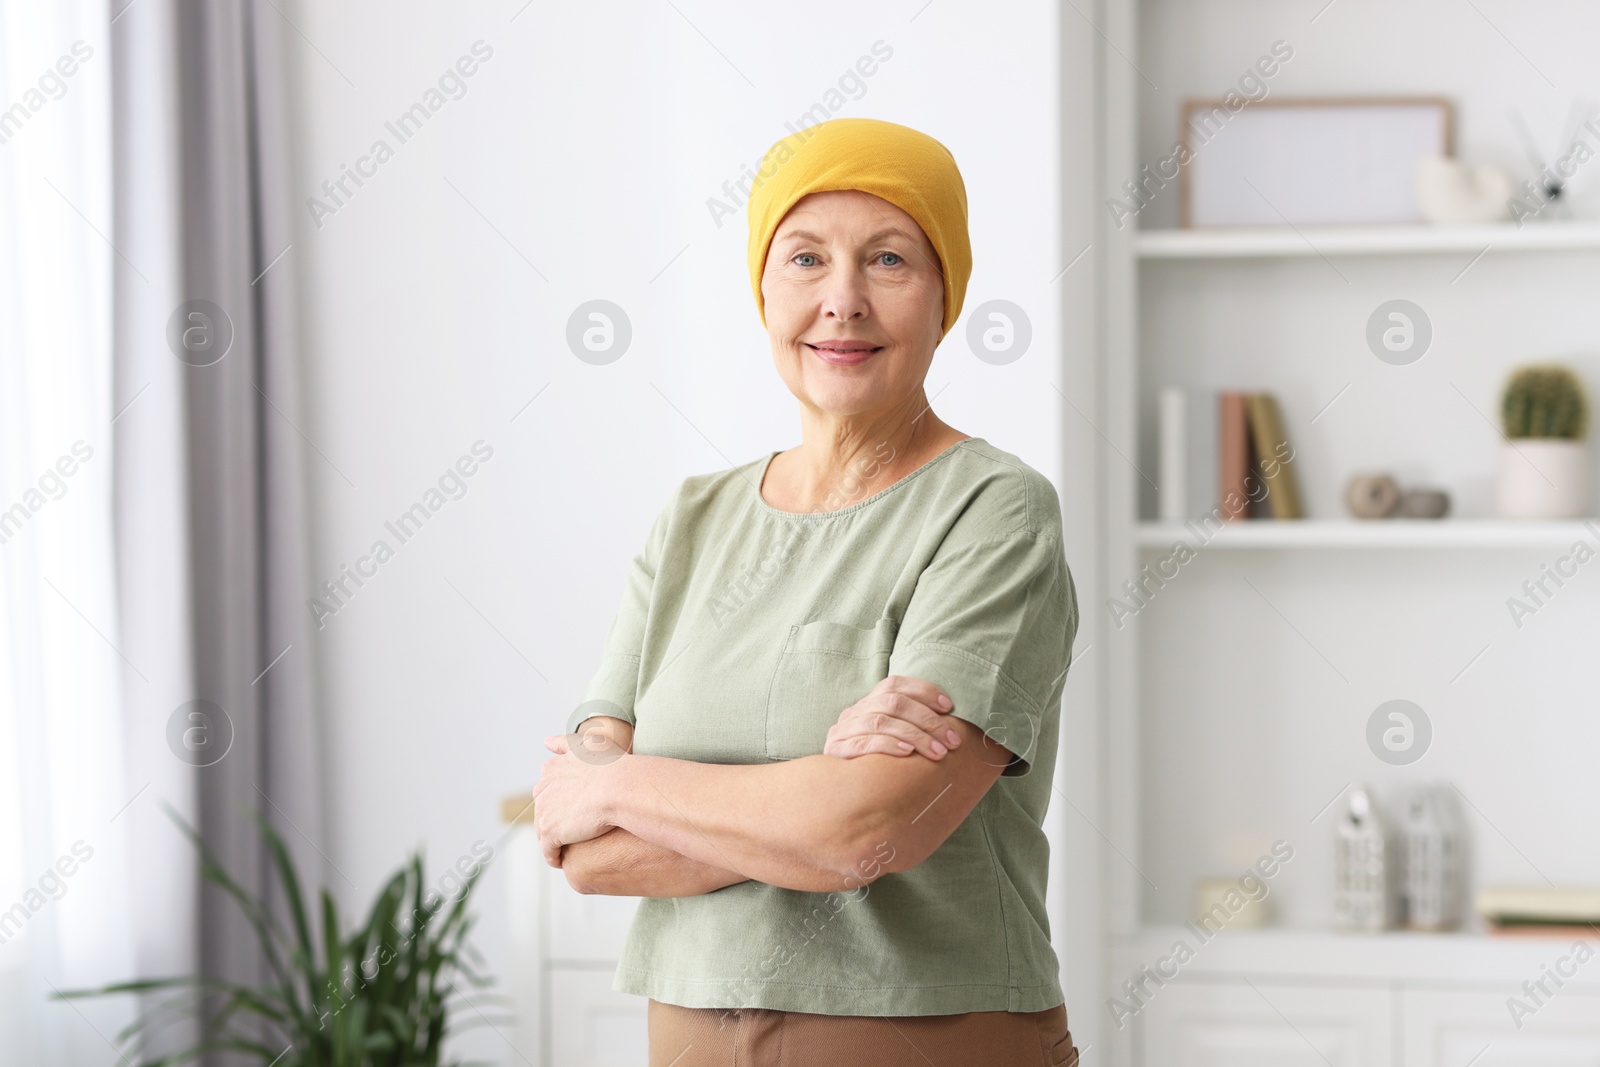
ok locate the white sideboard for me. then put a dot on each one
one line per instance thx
(566, 946)
(1282, 998)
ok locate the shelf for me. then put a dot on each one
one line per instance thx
(1320, 955)
(1372, 533)
(1273, 241)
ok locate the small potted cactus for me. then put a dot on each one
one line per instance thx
(1544, 462)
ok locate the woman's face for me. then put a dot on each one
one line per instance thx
(854, 303)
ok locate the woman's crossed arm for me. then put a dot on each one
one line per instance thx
(617, 863)
(900, 716)
(818, 823)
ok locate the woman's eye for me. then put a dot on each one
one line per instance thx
(805, 255)
(895, 256)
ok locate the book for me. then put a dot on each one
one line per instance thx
(1233, 429)
(1173, 442)
(1508, 906)
(1272, 458)
(1561, 930)
(1186, 453)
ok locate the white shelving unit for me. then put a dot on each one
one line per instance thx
(1270, 241)
(1383, 533)
(1401, 956)
(1216, 708)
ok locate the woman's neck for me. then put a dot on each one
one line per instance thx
(837, 466)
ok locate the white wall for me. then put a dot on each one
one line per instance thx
(577, 166)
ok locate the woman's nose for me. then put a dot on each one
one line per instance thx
(845, 295)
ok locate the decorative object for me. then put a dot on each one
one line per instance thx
(1424, 504)
(1432, 891)
(1365, 884)
(1542, 196)
(381, 995)
(1372, 496)
(1312, 161)
(1209, 893)
(1448, 194)
(1379, 496)
(1544, 462)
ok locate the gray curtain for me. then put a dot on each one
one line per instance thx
(210, 478)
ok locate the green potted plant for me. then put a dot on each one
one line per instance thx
(1544, 463)
(378, 995)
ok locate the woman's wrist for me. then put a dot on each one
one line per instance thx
(613, 781)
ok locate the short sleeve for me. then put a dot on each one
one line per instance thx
(615, 685)
(992, 623)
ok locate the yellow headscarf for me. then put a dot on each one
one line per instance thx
(903, 166)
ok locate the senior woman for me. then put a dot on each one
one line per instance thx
(828, 707)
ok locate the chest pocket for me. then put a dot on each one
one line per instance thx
(825, 667)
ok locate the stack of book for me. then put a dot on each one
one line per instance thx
(1245, 447)
(1257, 460)
(1540, 910)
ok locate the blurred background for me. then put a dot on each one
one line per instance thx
(348, 350)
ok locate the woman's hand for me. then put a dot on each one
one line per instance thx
(900, 716)
(592, 749)
(570, 797)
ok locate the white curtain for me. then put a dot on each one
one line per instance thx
(141, 171)
(64, 919)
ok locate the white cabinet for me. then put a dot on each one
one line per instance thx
(592, 1025)
(587, 929)
(1261, 1024)
(566, 947)
(1456, 1027)
(1326, 1000)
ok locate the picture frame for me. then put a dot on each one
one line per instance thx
(1335, 160)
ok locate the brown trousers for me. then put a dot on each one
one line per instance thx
(762, 1037)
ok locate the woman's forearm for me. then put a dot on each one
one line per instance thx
(794, 824)
(620, 864)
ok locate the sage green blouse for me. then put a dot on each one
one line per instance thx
(745, 631)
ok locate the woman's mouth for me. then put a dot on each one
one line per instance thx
(844, 353)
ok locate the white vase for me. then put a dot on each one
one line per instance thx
(1542, 478)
